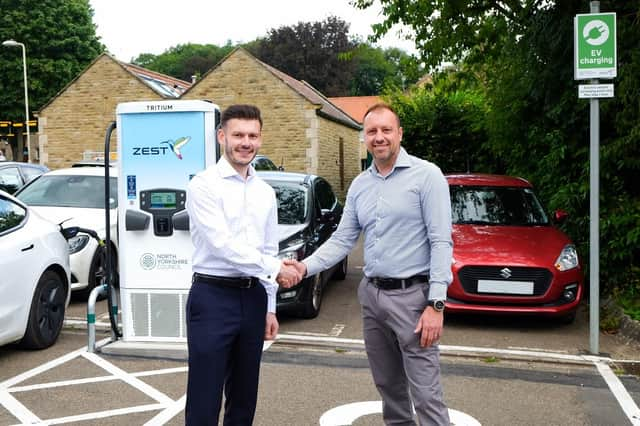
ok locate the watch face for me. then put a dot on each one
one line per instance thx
(438, 305)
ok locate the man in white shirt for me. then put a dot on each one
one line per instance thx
(231, 305)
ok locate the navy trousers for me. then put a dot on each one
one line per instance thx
(225, 335)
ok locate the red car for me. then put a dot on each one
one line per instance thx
(508, 256)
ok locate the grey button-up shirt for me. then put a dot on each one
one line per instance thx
(406, 220)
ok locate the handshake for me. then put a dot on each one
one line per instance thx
(291, 273)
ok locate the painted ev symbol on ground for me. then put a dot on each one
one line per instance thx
(345, 415)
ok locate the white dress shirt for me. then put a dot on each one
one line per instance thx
(233, 225)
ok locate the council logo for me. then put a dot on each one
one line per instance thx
(148, 261)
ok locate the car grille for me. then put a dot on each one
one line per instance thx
(469, 276)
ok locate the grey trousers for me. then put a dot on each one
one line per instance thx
(402, 371)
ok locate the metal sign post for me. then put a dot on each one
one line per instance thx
(595, 57)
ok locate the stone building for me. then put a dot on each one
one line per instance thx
(73, 123)
(303, 131)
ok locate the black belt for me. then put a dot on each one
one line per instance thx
(237, 282)
(396, 283)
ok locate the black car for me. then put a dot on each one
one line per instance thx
(263, 163)
(14, 175)
(308, 213)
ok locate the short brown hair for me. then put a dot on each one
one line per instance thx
(242, 112)
(379, 106)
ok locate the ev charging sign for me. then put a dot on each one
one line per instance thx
(595, 46)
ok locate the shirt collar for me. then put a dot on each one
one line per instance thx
(403, 160)
(226, 170)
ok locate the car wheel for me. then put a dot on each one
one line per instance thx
(341, 273)
(311, 307)
(47, 312)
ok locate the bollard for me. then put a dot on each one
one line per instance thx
(98, 291)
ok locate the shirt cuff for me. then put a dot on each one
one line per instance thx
(437, 291)
(272, 269)
(271, 303)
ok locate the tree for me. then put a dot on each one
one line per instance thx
(60, 41)
(521, 52)
(376, 69)
(184, 60)
(316, 52)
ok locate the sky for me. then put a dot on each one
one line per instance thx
(131, 27)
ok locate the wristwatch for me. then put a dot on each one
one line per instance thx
(437, 305)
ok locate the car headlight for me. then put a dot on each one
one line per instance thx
(77, 243)
(293, 252)
(568, 258)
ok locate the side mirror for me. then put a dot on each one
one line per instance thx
(326, 216)
(560, 216)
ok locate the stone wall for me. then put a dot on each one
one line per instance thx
(76, 120)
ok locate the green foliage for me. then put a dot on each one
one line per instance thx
(377, 69)
(60, 42)
(184, 60)
(444, 127)
(519, 54)
(316, 52)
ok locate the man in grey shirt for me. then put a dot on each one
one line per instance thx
(401, 204)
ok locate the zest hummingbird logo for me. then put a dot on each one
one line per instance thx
(177, 145)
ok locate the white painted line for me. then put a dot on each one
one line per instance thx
(168, 413)
(104, 414)
(40, 369)
(620, 392)
(159, 372)
(336, 330)
(444, 349)
(83, 323)
(18, 410)
(524, 348)
(345, 415)
(61, 383)
(128, 378)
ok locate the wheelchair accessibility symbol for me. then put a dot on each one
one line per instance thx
(345, 415)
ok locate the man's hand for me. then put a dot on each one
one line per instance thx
(429, 326)
(271, 327)
(288, 275)
(300, 267)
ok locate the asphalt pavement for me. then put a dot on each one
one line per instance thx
(495, 371)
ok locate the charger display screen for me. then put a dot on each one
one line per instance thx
(163, 200)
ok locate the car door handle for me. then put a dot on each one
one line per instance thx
(27, 248)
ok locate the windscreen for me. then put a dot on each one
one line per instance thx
(292, 202)
(483, 205)
(69, 191)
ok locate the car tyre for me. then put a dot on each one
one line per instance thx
(97, 265)
(311, 307)
(341, 273)
(46, 315)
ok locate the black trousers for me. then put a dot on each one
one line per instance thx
(225, 335)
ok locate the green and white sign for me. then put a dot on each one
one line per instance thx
(595, 46)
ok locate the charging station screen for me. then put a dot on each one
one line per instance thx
(163, 200)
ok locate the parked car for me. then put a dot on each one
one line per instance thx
(34, 283)
(508, 256)
(75, 197)
(14, 175)
(263, 163)
(308, 213)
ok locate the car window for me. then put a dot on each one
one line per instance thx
(11, 215)
(69, 191)
(263, 163)
(324, 194)
(496, 206)
(292, 201)
(31, 173)
(10, 180)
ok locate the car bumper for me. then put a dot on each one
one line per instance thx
(290, 299)
(554, 308)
